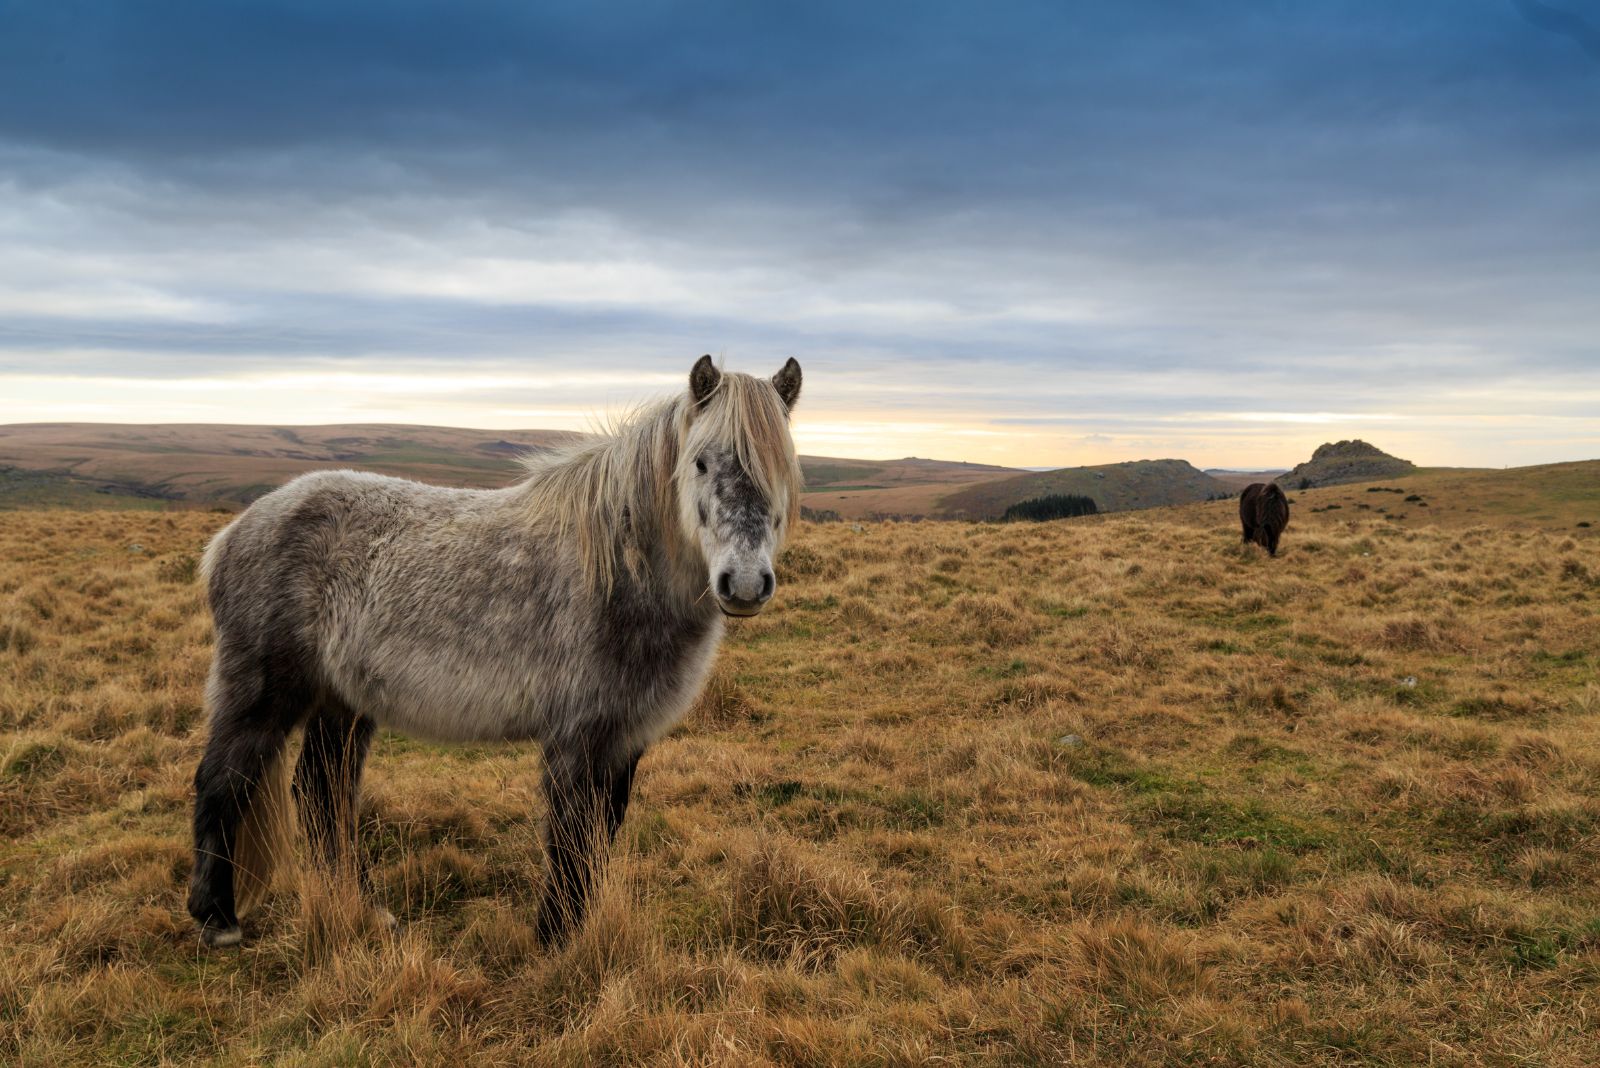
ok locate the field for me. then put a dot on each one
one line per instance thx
(1113, 791)
(1549, 496)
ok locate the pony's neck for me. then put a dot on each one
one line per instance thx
(617, 498)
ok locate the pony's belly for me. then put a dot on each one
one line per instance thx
(464, 715)
(454, 707)
(434, 695)
(449, 723)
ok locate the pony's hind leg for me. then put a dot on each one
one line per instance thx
(327, 783)
(586, 795)
(327, 787)
(619, 793)
(250, 723)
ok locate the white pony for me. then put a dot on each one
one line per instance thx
(581, 607)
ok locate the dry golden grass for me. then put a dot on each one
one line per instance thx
(1562, 496)
(1340, 807)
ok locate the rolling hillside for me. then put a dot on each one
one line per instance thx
(1238, 480)
(1547, 496)
(98, 465)
(206, 463)
(913, 487)
(1115, 488)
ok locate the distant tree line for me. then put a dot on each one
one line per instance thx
(1051, 506)
(819, 515)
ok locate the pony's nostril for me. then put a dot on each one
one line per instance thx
(725, 585)
(768, 585)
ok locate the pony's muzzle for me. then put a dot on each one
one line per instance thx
(745, 591)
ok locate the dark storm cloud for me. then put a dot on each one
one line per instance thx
(913, 107)
(1308, 202)
(1566, 23)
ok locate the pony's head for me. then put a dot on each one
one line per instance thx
(738, 479)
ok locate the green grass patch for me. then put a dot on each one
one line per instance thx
(1214, 821)
(1538, 950)
(1108, 767)
(1245, 622)
(894, 808)
(1571, 656)
(1005, 671)
(1254, 750)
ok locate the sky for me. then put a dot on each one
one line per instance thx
(1041, 234)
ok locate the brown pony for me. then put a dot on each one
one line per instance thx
(1264, 512)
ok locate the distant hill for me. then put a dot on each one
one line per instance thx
(98, 465)
(833, 474)
(164, 465)
(867, 489)
(1339, 462)
(1238, 480)
(219, 463)
(1113, 487)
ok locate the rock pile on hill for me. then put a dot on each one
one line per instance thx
(1345, 461)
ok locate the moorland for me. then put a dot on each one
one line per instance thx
(1115, 790)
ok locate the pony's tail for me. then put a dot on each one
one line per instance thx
(265, 838)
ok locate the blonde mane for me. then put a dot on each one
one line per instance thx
(616, 494)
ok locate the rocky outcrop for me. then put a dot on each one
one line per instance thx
(1345, 461)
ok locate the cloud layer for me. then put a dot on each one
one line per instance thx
(1035, 233)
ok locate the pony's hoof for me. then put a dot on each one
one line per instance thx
(220, 937)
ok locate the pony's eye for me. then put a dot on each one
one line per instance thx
(700, 466)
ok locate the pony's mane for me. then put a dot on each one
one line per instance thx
(616, 493)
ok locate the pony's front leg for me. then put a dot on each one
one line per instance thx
(586, 795)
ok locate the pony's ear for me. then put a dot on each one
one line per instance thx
(787, 383)
(703, 380)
